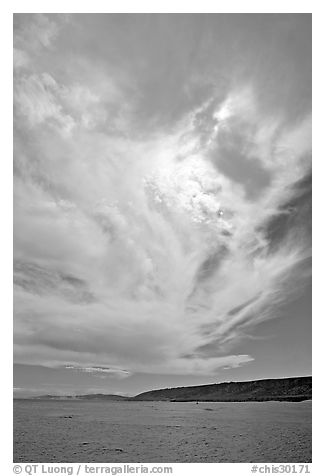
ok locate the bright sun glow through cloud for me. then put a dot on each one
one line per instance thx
(147, 249)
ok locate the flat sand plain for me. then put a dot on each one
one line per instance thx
(144, 432)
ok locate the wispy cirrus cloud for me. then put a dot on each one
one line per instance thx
(155, 251)
(102, 372)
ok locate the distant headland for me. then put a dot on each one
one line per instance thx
(293, 389)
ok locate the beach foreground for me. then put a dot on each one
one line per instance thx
(144, 432)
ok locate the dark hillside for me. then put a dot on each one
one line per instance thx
(286, 389)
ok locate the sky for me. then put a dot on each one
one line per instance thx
(162, 200)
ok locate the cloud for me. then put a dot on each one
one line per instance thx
(35, 99)
(102, 372)
(152, 252)
(35, 32)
